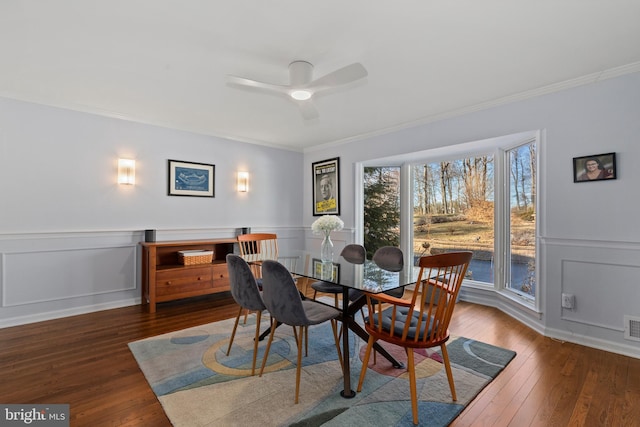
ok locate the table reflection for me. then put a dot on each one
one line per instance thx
(367, 277)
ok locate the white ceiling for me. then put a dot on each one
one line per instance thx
(164, 62)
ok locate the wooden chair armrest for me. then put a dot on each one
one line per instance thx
(384, 298)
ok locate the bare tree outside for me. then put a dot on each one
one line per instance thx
(454, 210)
(522, 161)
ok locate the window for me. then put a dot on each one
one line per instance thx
(453, 210)
(478, 196)
(381, 208)
(521, 263)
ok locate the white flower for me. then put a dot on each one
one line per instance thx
(326, 224)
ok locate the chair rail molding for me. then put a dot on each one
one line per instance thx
(50, 275)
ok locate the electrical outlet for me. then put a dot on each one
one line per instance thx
(568, 301)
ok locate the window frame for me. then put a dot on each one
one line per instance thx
(499, 148)
(505, 288)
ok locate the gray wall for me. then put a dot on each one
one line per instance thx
(58, 173)
(69, 233)
(589, 235)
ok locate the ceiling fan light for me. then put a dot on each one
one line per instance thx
(301, 94)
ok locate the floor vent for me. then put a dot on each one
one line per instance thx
(632, 328)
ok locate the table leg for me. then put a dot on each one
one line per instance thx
(267, 332)
(349, 323)
(354, 307)
(357, 329)
(347, 392)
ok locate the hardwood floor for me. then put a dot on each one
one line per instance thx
(84, 361)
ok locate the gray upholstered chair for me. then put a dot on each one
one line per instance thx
(354, 253)
(245, 292)
(282, 299)
(390, 258)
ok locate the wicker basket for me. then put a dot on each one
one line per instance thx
(195, 257)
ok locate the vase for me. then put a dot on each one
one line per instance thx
(326, 249)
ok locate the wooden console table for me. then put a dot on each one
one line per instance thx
(164, 278)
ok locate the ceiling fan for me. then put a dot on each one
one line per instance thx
(302, 88)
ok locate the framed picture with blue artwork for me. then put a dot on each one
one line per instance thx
(191, 179)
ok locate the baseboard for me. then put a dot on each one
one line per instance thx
(51, 315)
(490, 298)
(611, 347)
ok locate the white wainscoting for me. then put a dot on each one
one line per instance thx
(38, 276)
(604, 278)
(604, 292)
(53, 275)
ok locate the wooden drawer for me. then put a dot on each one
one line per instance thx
(221, 277)
(184, 280)
(164, 278)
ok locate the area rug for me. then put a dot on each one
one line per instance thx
(199, 385)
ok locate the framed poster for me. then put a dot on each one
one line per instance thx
(326, 187)
(191, 179)
(326, 271)
(594, 168)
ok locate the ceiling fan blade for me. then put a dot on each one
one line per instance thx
(308, 110)
(254, 84)
(340, 77)
(301, 90)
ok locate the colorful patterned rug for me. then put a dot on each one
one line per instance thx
(199, 385)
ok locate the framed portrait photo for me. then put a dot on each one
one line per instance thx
(320, 270)
(191, 179)
(326, 187)
(596, 167)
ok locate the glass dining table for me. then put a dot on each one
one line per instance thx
(367, 277)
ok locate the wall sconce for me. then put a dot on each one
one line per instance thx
(243, 182)
(126, 171)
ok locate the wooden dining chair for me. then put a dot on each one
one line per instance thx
(258, 247)
(285, 305)
(422, 321)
